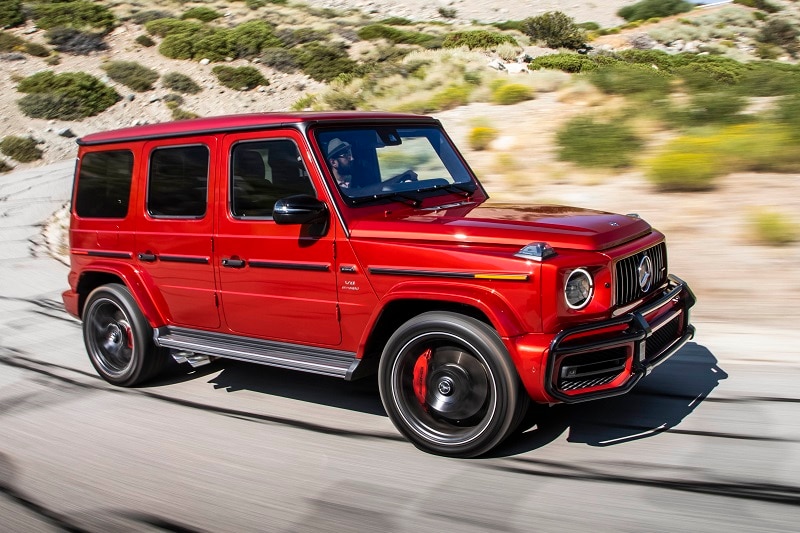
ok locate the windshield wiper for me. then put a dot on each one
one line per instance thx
(400, 197)
(464, 189)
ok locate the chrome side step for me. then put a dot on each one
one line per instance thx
(324, 361)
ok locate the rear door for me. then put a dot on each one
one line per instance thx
(276, 282)
(173, 239)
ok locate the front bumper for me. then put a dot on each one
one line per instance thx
(608, 358)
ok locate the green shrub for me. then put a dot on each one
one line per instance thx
(179, 113)
(448, 12)
(398, 21)
(177, 46)
(381, 31)
(280, 59)
(291, 37)
(780, 32)
(145, 40)
(450, 97)
(648, 9)
(10, 42)
(512, 93)
(323, 63)
(67, 96)
(509, 25)
(203, 14)
(708, 108)
(79, 14)
(707, 73)
(482, 39)
(572, 63)
(181, 83)
(306, 102)
(631, 79)
(591, 143)
(143, 17)
(167, 26)
(480, 137)
(763, 5)
(788, 113)
(73, 41)
(768, 79)
(11, 13)
(555, 29)
(253, 37)
(173, 100)
(773, 229)
(239, 78)
(36, 49)
(660, 59)
(4, 167)
(675, 172)
(22, 149)
(131, 74)
(255, 4)
(215, 45)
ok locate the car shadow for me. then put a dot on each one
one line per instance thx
(361, 395)
(657, 404)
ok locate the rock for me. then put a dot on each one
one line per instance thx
(130, 97)
(205, 61)
(66, 132)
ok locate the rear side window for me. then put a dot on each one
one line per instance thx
(104, 184)
(178, 183)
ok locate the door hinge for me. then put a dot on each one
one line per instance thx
(338, 313)
(334, 249)
(216, 300)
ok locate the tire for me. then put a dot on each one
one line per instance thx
(448, 384)
(118, 338)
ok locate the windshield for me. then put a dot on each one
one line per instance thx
(391, 163)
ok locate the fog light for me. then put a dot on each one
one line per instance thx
(579, 289)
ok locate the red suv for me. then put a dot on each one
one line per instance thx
(352, 243)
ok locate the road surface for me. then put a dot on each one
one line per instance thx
(709, 442)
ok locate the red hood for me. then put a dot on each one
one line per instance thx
(559, 226)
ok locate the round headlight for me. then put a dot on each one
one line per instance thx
(578, 289)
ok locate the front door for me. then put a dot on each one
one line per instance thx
(173, 235)
(276, 282)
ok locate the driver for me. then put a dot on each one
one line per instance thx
(340, 158)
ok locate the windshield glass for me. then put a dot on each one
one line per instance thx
(386, 162)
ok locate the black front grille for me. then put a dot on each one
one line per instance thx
(626, 271)
(662, 338)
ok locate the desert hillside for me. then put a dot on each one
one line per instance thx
(741, 270)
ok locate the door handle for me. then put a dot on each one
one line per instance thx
(233, 263)
(147, 257)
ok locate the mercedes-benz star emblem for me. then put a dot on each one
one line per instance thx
(645, 273)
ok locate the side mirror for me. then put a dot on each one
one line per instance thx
(300, 209)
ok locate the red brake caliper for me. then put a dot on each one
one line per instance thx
(421, 376)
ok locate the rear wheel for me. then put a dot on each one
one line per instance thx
(448, 384)
(118, 338)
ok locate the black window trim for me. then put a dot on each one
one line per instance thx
(148, 176)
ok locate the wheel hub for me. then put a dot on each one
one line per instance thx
(455, 394)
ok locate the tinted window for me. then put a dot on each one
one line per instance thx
(104, 184)
(178, 182)
(262, 172)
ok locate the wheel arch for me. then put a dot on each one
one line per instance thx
(411, 300)
(102, 274)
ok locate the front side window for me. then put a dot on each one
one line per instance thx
(262, 172)
(104, 184)
(382, 161)
(178, 184)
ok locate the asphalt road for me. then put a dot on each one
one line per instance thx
(709, 442)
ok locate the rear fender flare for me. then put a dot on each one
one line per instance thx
(149, 300)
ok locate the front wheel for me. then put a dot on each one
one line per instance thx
(118, 338)
(448, 384)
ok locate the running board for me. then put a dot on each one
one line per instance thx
(324, 361)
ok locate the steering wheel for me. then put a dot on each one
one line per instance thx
(405, 177)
